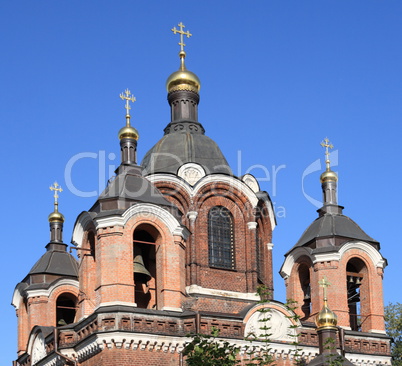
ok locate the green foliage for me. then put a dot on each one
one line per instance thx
(291, 306)
(333, 358)
(261, 355)
(393, 326)
(207, 350)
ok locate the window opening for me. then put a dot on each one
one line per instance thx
(65, 309)
(221, 238)
(353, 281)
(144, 263)
(304, 277)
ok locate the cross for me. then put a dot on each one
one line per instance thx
(327, 146)
(127, 97)
(324, 284)
(182, 33)
(56, 188)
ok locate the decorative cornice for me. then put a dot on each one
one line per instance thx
(198, 290)
(212, 178)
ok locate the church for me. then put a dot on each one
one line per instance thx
(178, 245)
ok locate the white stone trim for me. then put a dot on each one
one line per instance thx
(79, 228)
(198, 290)
(252, 225)
(48, 292)
(326, 257)
(191, 173)
(291, 259)
(270, 246)
(170, 308)
(143, 210)
(251, 182)
(377, 331)
(229, 180)
(192, 215)
(182, 231)
(113, 303)
(17, 297)
(359, 359)
(375, 256)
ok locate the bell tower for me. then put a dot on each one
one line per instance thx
(336, 247)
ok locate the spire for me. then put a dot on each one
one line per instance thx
(56, 219)
(128, 135)
(328, 178)
(183, 87)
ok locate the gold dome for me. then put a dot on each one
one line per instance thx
(328, 176)
(128, 132)
(326, 318)
(183, 79)
(56, 216)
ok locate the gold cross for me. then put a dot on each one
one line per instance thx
(324, 284)
(182, 33)
(56, 188)
(327, 146)
(127, 97)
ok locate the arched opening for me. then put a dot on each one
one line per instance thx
(355, 269)
(145, 281)
(305, 283)
(66, 307)
(221, 238)
(91, 244)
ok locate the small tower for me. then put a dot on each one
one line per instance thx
(335, 246)
(326, 322)
(47, 296)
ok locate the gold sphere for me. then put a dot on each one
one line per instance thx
(183, 80)
(129, 133)
(56, 217)
(326, 318)
(328, 176)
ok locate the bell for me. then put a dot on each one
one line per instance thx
(351, 279)
(358, 282)
(140, 272)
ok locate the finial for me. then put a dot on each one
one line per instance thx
(128, 97)
(182, 33)
(56, 188)
(326, 318)
(324, 284)
(327, 146)
(56, 216)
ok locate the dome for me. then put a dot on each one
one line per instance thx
(183, 79)
(56, 216)
(326, 318)
(328, 176)
(128, 132)
(175, 149)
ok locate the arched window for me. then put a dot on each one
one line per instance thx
(91, 242)
(65, 309)
(354, 278)
(304, 278)
(221, 238)
(144, 261)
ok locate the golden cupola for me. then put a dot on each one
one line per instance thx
(128, 131)
(328, 175)
(56, 216)
(326, 318)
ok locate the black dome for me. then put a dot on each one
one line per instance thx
(175, 149)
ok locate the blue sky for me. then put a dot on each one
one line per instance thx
(277, 77)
